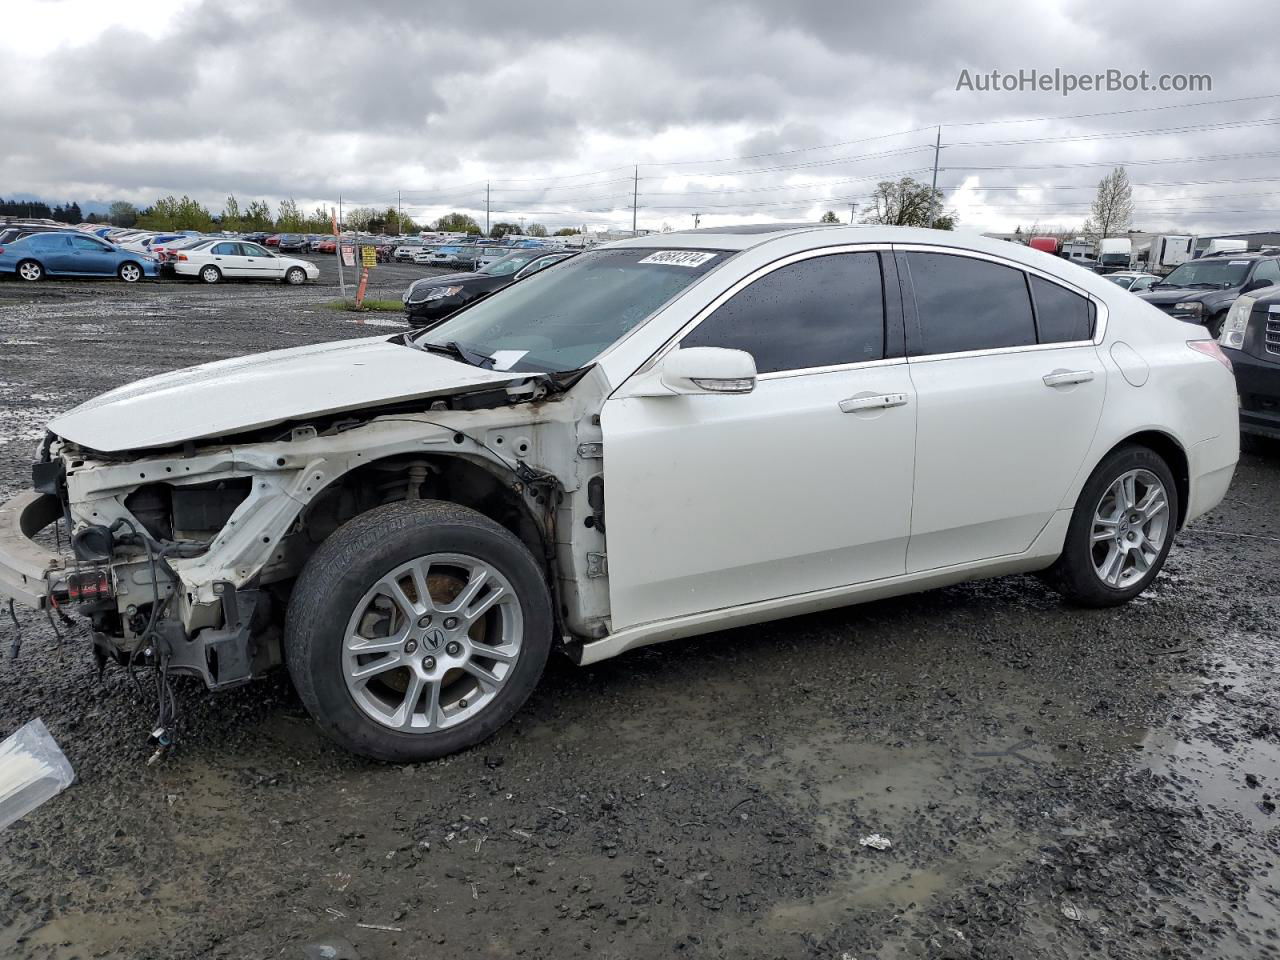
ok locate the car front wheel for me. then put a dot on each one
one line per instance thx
(295, 276)
(416, 630)
(130, 272)
(1121, 530)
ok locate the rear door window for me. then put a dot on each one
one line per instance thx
(819, 312)
(965, 304)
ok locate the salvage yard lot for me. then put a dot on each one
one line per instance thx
(1055, 782)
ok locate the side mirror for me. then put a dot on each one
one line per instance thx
(708, 370)
(1257, 284)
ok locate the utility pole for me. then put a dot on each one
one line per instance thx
(486, 209)
(933, 203)
(852, 208)
(635, 198)
(399, 218)
(697, 217)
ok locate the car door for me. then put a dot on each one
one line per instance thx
(801, 485)
(258, 264)
(1009, 392)
(92, 257)
(226, 256)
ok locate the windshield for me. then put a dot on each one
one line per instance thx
(563, 318)
(1121, 281)
(508, 264)
(1208, 273)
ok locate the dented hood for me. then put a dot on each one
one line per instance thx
(231, 396)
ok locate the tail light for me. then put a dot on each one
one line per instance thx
(1210, 348)
(182, 256)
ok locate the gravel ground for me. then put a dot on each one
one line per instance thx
(1055, 782)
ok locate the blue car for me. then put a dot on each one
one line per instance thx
(72, 254)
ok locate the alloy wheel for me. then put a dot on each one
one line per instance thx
(431, 643)
(30, 271)
(130, 273)
(1129, 528)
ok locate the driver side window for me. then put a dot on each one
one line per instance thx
(819, 312)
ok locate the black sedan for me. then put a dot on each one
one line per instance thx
(432, 299)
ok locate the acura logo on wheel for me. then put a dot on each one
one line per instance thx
(433, 638)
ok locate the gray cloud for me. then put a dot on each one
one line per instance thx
(314, 100)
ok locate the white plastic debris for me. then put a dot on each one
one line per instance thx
(32, 770)
(1071, 912)
(876, 842)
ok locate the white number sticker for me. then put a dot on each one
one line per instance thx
(679, 258)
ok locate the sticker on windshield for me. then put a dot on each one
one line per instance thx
(678, 258)
(506, 359)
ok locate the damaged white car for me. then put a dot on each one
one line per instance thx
(657, 438)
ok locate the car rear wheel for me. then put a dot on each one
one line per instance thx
(417, 630)
(130, 272)
(210, 274)
(295, 276)
(1121, 530)
(30, 271)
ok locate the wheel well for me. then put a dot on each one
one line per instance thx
(1172, 453)
(455, 479)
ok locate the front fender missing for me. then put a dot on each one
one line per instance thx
(287, 476)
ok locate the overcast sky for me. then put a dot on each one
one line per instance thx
(743, 111)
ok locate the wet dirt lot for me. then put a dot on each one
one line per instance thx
(1055, 782)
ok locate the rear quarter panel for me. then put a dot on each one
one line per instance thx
(1188, 396)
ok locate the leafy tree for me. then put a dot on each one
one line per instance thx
(359, 218)
(1112, 207)
(122, 214)
(537, 230)
(231, 214)
(500, 230)
(909, 203)
(320, 221)
(566, 232)
(457, 223)
(290, 219)
(172, 213)
(829, 217)
(257, 216)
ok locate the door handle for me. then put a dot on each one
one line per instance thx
(1065, 378)
(854, 404)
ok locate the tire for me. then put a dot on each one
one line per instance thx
(129, 272)
(331, 603)
(30, 270)
(1078, 574)
(295, 276)
(210, 274)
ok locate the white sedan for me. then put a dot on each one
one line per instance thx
(219, 260)
(656, 438)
